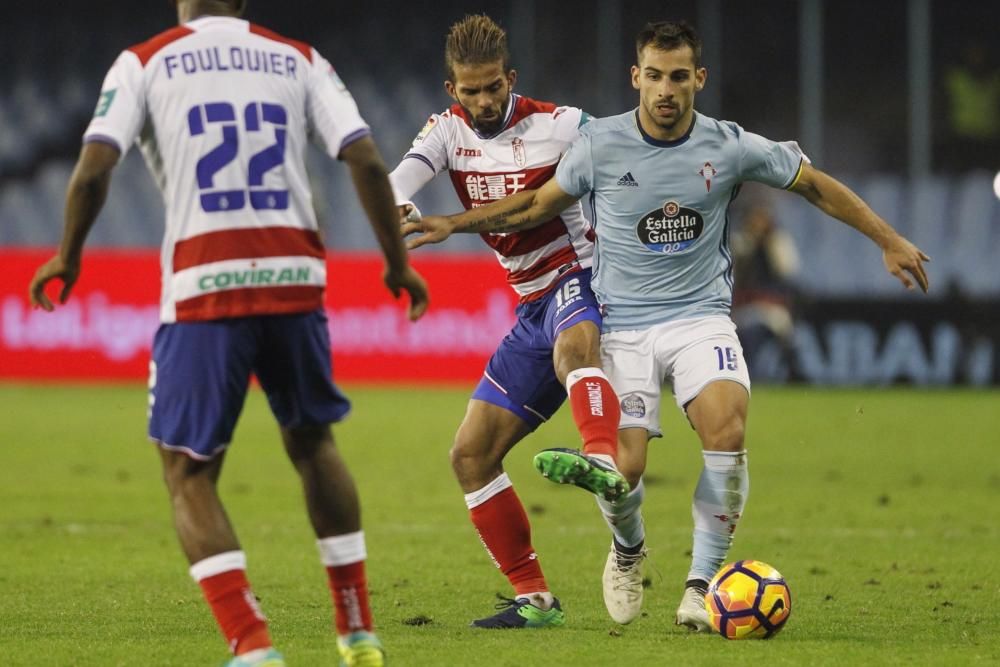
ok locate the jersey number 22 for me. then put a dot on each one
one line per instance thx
(256, 117)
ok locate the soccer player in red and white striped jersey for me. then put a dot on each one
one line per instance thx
(493, 143)
(221, 109)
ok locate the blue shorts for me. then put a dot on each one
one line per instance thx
(520, 375)
(200, 373)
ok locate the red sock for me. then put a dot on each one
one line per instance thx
(505, 532)
(350, 597)
(235, 608)
(595, 410)
(344, 558)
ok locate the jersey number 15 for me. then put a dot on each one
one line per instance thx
(256, 117)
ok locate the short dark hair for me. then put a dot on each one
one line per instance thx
(667, 36)
(237, 6)
(475, 40)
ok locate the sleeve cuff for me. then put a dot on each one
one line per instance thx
(103, 139)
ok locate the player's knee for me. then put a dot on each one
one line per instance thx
(181, 472)
(572, 352)
(631, 474)
(471, 459)
(304, 442)
(571, 358)
(727, 436)
(464, 456)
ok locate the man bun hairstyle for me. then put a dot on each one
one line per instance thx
(475, 40)
(667, 36)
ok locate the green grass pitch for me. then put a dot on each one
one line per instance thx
(878, 506)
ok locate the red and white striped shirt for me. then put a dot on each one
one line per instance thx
(523, 155)
(222, 110)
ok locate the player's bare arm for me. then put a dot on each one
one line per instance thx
(372, 184)
(837, 200)
(522, 210)
(88, 188)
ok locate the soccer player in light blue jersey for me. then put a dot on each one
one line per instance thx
(660, 179)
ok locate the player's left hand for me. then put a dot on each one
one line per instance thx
(430, 229)
(412, 282)
(901, 258)
(56, 267)
(408, 212)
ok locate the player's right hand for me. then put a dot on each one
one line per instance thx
(411, 281)
(429, 229)
(56, 267)
(901, 257)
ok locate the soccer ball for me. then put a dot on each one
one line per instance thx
(748, 599)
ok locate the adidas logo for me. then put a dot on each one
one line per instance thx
(628, 180)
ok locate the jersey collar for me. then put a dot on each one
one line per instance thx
(659, 142)
(206, 20)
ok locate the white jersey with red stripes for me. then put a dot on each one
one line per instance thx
(522, 155)
(222, 110)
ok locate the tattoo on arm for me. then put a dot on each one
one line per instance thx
(501, 222)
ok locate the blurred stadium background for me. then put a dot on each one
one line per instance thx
(898, 98)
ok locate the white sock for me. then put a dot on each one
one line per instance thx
(624, 516)
(256, 654)
(541, 599)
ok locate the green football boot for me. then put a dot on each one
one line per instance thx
(361, 649)
(569, 466)
(260, 658)
(520, 613)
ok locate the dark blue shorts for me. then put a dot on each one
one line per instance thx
(201, 371)
(520, 376)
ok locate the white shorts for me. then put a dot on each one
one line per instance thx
(690, 354)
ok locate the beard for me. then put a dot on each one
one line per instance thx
(493, 125)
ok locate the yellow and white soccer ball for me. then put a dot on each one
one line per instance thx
(748, 599)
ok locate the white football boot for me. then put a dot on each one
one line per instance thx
(623, 585)
(692, 613)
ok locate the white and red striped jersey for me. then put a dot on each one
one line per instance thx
(523, 155)
(222, 110)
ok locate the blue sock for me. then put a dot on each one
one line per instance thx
(718, 505)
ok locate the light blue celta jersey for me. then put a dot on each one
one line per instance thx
(660, 210)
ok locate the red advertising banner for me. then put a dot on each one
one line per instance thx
(105, 330)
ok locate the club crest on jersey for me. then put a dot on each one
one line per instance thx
(517, 144)
(670, 229)
(633, 406)
(425, 130)
(708, 172)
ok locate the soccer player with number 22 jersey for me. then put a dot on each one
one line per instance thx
(221, 109)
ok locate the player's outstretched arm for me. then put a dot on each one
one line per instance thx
(522, 210)
(88, 188)
(372, 184)
(837, 200)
